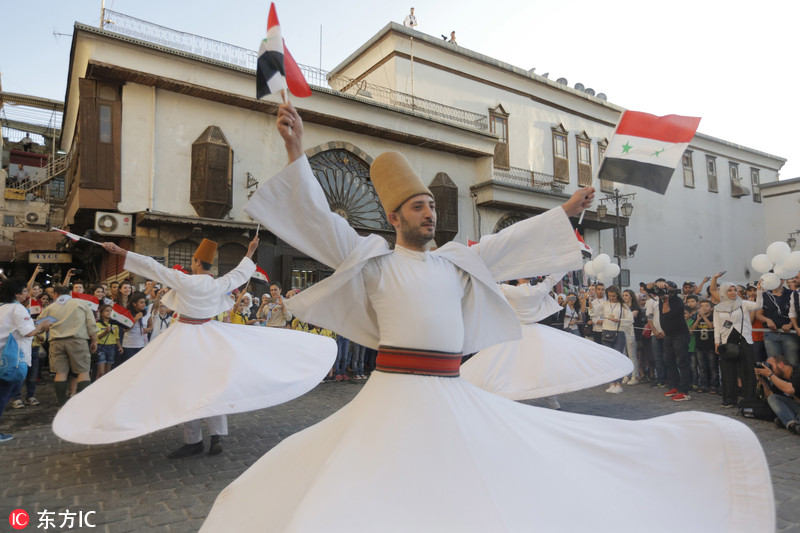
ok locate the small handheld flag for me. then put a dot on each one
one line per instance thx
(93, 302)
(645, 149)
(276, 69)
(584, 247)
(75, 237)
(179, 268)
(260, 274)
(35, 306)
(122, 315)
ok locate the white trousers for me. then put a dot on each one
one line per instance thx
(193, 432)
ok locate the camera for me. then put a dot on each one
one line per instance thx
(763, 364)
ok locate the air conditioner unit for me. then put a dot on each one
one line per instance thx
(32, 218)
(119, 224)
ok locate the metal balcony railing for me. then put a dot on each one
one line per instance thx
(227, 53)
(537, 181)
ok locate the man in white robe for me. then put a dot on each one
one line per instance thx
(431, 452)
(220, 366)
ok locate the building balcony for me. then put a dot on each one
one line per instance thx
(530, 192)
(317, 78)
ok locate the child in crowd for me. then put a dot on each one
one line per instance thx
(108, 344)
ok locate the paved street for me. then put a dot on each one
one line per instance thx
(133, 487)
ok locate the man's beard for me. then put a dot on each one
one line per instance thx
(414, 235)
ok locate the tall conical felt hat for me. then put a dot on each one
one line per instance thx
(395, 181)
(205, 252)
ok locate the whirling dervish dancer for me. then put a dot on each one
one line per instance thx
(545, 361)
(199, 367)
(422, 449)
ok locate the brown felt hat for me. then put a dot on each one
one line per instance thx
(395, 181)
(205, 252)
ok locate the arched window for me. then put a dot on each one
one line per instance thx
(508, 220)
(181, 252)
(230, 255)
(345, 179)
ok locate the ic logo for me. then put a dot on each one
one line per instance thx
(18, 519)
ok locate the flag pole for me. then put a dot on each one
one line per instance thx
(285, 101)
(68, 234)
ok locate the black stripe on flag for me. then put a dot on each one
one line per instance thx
(269, 63)
(651, 177)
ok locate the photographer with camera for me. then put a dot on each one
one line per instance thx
(733, 342)
(676, 339)
(781, 382)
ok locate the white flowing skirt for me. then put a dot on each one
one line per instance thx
(195, 371)
(429, 454)
(545, 361)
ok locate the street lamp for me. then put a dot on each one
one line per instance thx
(791, 241)
(619, 200)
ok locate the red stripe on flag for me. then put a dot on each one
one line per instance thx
(294, 76)
(122, 315)
(669, 128)
(93, 302)
(272, 20)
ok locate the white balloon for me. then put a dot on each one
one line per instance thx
(588, 268)
(611, 271)
(601, 262)
(778, 251)
(783, 273)
(791, 262)
(604, 280)
(770, 281)
(761, 263)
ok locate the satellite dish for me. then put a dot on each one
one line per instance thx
(546, 74)
(589, 91)
(562, 81)
(579, 86)
(602, 96)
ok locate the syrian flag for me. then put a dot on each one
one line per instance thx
(276, 68)
(68, 234)
(584, 247)
(260, 274)
(645, 149)
(122, 315)
(93, 302)
(34, 307)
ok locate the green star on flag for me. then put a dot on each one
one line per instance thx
(646, 150)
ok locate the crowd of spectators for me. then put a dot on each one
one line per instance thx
(737, 341)
(680, 340)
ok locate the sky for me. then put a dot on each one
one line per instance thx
(731, 62)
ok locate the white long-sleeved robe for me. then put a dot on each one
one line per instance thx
(424, 453)
(193, 371)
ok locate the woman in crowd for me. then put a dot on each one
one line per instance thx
(123, 296)
(732, 324)
(135, 337)
(633, 333)
(17, 322)
(570, 316)
(615, 317)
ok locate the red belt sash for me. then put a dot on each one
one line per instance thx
(190, 320)
(419, 362)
